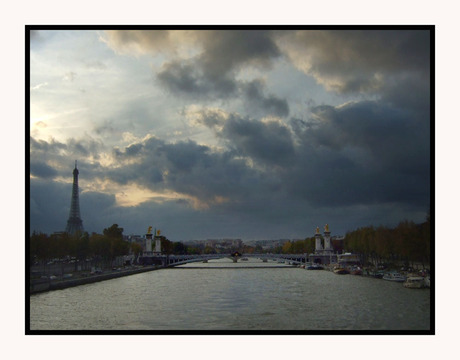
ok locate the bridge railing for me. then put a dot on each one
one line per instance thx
(183, 259)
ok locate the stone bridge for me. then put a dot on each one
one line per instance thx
(174, 260)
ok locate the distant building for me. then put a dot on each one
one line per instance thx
(220, 245)
(349, 259)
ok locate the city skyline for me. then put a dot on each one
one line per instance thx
(260, 134)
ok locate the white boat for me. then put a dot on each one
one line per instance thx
(314, 267)
(415, 282)
(394, 276)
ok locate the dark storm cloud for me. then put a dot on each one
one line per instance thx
(49, 205)
(184, 156)
(43, 154)
(84, 147)
(78, 148)
(98, 211)
(42, 145)
(253, 93)
(221, 50)
(187, 168)
(181, 77)
(358, 60)
(347, 61)
(213, 175)
(392, 137)
(129, 151)
(269, 142)
(411, 92)
(191, 79)
(212, 73)
(42, 170)
(227, 50)
(52, 159)
(362, 153)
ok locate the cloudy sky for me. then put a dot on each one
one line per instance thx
(252, 134)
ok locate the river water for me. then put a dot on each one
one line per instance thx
(221, 295)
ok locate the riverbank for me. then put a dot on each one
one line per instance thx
(76, 279)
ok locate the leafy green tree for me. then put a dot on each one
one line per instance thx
(209, 250)
(286, 248)
(114, 232)
(100, 248)
(40, 247)
(258, 249)
(118, 247)
(425, 240)
(179, 248)
(192, 250)
(166, 246)
(310, 245)
(136, 249)
(82, 249)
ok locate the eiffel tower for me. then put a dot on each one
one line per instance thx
(75, 223)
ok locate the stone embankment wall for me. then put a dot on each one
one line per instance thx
(42, 285)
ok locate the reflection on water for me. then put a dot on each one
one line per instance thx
(222, 295)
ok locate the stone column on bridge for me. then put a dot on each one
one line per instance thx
(148, 243)
(327, 239)
(318, 245)
(158, 238)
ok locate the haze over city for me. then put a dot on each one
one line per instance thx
(251, 134)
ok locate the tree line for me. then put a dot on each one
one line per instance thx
(102, 248)
(407, 242)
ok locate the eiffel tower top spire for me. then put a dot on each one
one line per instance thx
(74, 223)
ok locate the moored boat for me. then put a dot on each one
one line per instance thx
(340, 270)
(378, 274)
(415, 282)
(394, 276)
(314, 267)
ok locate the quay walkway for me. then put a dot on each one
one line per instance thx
(42, 285)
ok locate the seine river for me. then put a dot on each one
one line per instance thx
(221, 295)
